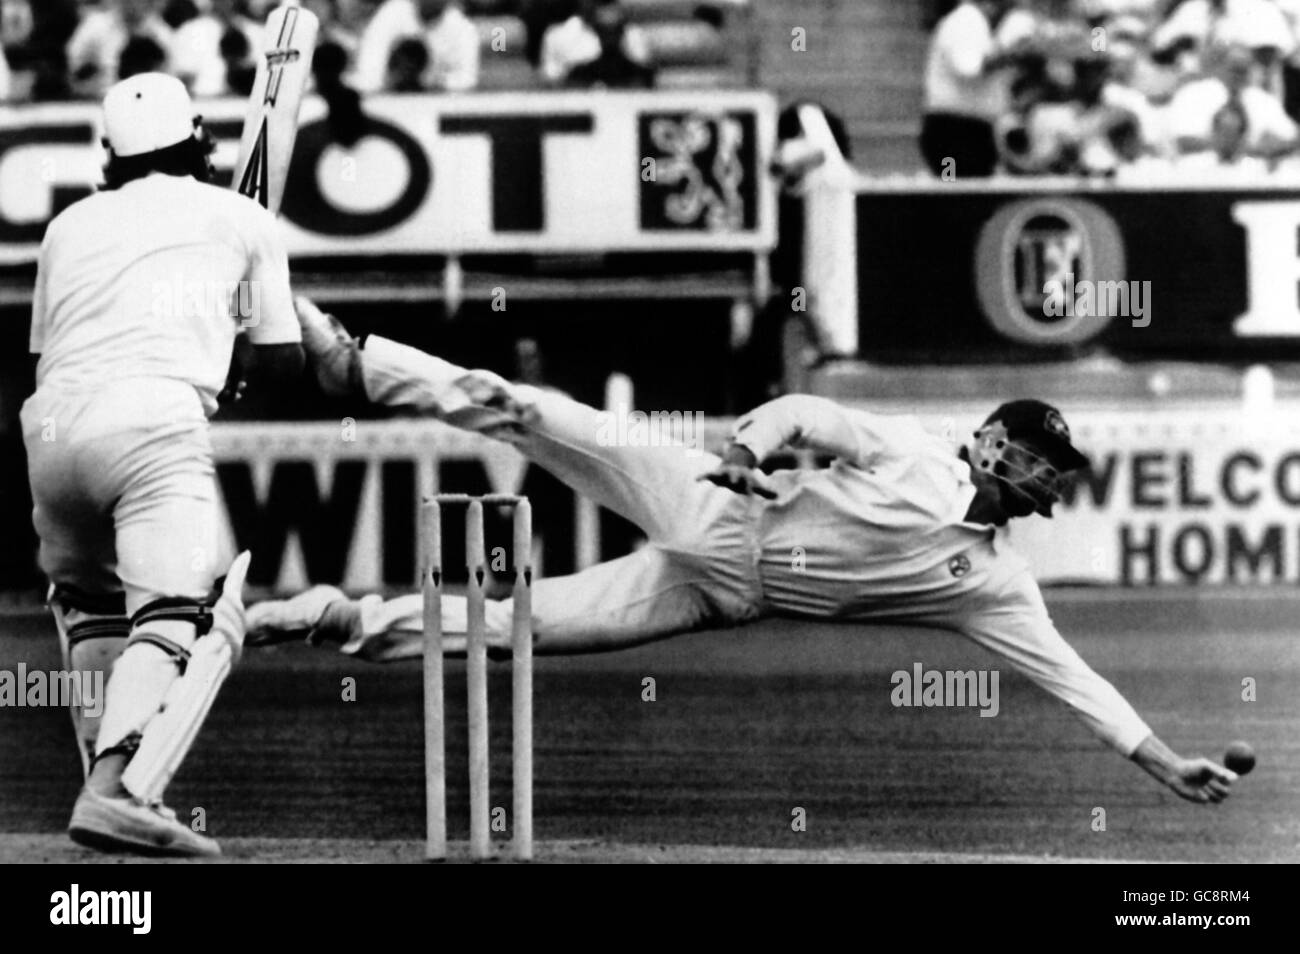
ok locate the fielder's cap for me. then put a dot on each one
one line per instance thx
(1041, 426)
(147, 112)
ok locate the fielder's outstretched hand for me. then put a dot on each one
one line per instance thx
(1202, 780)
(739, 473)
(1197, 780)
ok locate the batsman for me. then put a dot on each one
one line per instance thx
(141, 290)
(900, 529)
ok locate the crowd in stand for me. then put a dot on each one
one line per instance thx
(1132, 89)
(70, 49)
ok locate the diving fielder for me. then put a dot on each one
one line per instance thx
(132, 322)
(900, 529)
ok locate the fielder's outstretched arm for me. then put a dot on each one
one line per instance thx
(1015, 625)
(1196, 779)
(805, 421)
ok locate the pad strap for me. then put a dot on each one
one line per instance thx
(105, 627)
(177, 608)
(95, 604)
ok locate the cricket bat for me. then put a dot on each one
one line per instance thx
(271, 124)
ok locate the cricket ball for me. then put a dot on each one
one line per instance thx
(1240, 757)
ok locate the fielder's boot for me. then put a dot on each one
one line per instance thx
(301, 616)
(128, 824)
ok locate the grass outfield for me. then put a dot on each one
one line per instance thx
(747, 726)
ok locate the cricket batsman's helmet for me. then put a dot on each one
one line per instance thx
(1026, 445)
(147, 112)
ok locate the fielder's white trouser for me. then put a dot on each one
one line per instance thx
(125, 505)
(698, 569)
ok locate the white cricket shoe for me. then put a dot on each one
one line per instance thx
(128, 824)
(278, 621)
(331, 349)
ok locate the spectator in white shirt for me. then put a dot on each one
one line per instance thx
(965, 90)
(576, 42)
(1259, 25)
(1121, 91)
(196, 50)
(1226, 159)
(454, 45)
(392, 22)
(450, 36)
(96, 47)
(613, 68)
(1189, 118)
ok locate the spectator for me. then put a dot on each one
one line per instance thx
(341, 22)
(177, 12)
(1135, 66)
(406, 66)
(1127, 61)
(41, 54)
(392, 22)
(95, 49)
(1258, 25)
(239, 60)
(965, 89)
(453, 43)
(1269, 132)
(1226, 157)
(576, 41)
(1097, 11)
(612, 67)
(451, 38)
(345, 120)
(538, 16)
(1083, 134)
(142, 54)
(197, 48)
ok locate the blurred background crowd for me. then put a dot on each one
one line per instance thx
(1129, 88)
(71, 49)
(1126, 88)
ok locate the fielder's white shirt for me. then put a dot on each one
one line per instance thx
(882, 535)
(137, 283)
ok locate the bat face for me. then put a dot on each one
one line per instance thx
(271, 125)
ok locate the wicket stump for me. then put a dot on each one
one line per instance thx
(521, 636)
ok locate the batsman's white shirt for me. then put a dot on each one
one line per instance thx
(137, 283)
(881, 535)
(132, 320)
